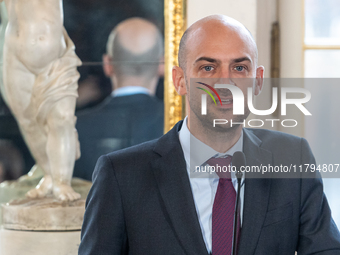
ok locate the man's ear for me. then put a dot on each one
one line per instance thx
(259, 80)
(179, 80)
(107, 66)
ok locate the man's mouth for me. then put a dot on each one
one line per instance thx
(226, 101)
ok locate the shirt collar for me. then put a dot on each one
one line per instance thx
(196, 153)
(129, 90)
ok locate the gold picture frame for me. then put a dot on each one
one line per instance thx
(175, 25)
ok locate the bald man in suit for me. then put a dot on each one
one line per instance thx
(143, 200)
(131, 114)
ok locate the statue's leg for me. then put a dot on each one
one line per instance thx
(61, 147)
(36, 142)
(18, 83)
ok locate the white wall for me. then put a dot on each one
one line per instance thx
(243, 11)
(266, 16)
(291, 21)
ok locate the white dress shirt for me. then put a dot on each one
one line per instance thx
(196, 153)
(129, 90)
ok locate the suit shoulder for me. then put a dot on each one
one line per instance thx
(266, 135)
(279, 141)
(94, 111)
(137, 152)
(283, 148)
(134, 160)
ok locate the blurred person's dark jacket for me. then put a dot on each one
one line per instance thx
(118, 123)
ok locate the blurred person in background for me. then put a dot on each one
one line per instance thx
(131, 114)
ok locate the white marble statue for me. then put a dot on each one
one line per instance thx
(40, 87)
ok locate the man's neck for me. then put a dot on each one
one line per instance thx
(220, 141)
(135, 81)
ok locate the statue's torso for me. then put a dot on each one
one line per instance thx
(34, 39)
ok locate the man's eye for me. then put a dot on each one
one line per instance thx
(239, 68)
(208, 68)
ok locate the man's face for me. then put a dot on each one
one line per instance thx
(217, 54)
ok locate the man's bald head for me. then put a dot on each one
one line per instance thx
(225, 24)
(135, 47)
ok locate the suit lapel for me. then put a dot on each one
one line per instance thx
(174, 185)
(256, 195)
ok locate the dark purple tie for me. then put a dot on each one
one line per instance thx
(223, 210)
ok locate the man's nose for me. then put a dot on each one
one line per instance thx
(225, 72)
(224, 76)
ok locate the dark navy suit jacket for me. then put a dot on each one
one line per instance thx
(141, 202)
(118, 123)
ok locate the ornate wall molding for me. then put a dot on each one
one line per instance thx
(175, 25)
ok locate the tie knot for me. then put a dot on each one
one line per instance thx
(222, 166)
